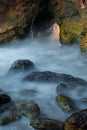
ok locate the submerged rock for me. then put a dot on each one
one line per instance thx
(48, 76)
(21, 65)
(41, 123)
(77, 121)
(10, 118)
(62, 89)
(30, 110)
(4, 98)
(28, 92)
(65, 103)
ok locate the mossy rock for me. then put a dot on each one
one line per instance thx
(30, 110)
(9, 119)
(83, 44)
(21, 65)
(65, 103)
(42, 123)
(71, 31)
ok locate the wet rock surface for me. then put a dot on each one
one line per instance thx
(77, 121)
(7, 105)
(65, 103)
(48, 76)
(21, 65)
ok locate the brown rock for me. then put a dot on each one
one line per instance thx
(77, 121)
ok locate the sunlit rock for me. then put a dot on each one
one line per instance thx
(83, 44)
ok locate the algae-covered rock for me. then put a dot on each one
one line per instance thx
(77, 121)
(30, 110)
(21, 65)
(16, 18)
(9, 119)
(43, 123)
(65, 103)
(83, 44)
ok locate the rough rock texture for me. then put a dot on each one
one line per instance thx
(77, 121)
(15, 18)
(21, 65)
(72, 17)
(18, 17)
(50, 77)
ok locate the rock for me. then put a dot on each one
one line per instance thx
(77, 121)
(4, 99)
(72, 18)
(16, 18)
(42, 123)
(37, 119)
(62, 89)
(50, 77)
(83, 44)
(12, 116)
(30, 110)
(9, 119)
(28, 92)
(53, 32)
(21, 65)
(65, 103)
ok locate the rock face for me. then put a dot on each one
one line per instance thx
(48, 76)
(72, 17)
(18, 17)
(15, 18)
(77, 121)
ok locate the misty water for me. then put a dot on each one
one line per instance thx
(47, 56)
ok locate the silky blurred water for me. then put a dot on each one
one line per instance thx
(47, 56)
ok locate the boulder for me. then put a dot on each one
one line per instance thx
(71, 15)
(10, 118)
(43, 123)
(77, 121)
(65, 103)
(21, 65)
(50, 77)
(30, 110)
